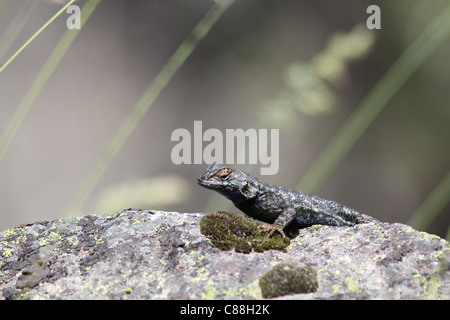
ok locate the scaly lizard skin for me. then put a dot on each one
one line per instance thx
(275, 205)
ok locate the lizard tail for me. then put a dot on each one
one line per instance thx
(363, 218)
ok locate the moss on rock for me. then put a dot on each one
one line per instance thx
(288, 278)
(229, 230)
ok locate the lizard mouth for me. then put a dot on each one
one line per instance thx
(201, 182)
(205, 183)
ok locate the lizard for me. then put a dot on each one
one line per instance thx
(277, 206)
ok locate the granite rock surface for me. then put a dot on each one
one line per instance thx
(145, 254)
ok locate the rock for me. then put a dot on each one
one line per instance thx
(142, 254)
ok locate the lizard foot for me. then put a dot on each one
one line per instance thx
(270, 230)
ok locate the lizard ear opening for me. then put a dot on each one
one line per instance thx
(248, 190)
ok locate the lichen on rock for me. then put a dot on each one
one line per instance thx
(150, 254)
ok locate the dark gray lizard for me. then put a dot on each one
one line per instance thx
(275, 205)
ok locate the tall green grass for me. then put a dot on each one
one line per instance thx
(326, 163)
(376, 100)
(31, 6)
(41, 79)
(16, 25)
(414, 56)
(146, 100)
(432, 206)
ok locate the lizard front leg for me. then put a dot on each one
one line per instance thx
(283, 220)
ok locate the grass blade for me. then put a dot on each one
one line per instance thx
(35, 35)
(42, 78)
(414, 56)
(3, 6)
(146, 100)
(432, 205)
(16, 25)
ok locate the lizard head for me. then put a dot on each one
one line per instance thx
(234, 184)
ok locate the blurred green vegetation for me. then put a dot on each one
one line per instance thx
(155, 192)
(45, 73)
(309, 88)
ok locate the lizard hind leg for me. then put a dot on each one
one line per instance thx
(282, 221)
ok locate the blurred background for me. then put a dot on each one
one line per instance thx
(302, 67)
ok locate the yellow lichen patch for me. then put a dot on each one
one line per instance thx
(7, 252)
(210, 292)
(52, 237)
(352, 284)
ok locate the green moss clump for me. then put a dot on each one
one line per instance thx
(288, 278)
(229, 230)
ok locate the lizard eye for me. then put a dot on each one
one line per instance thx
(223, 173)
